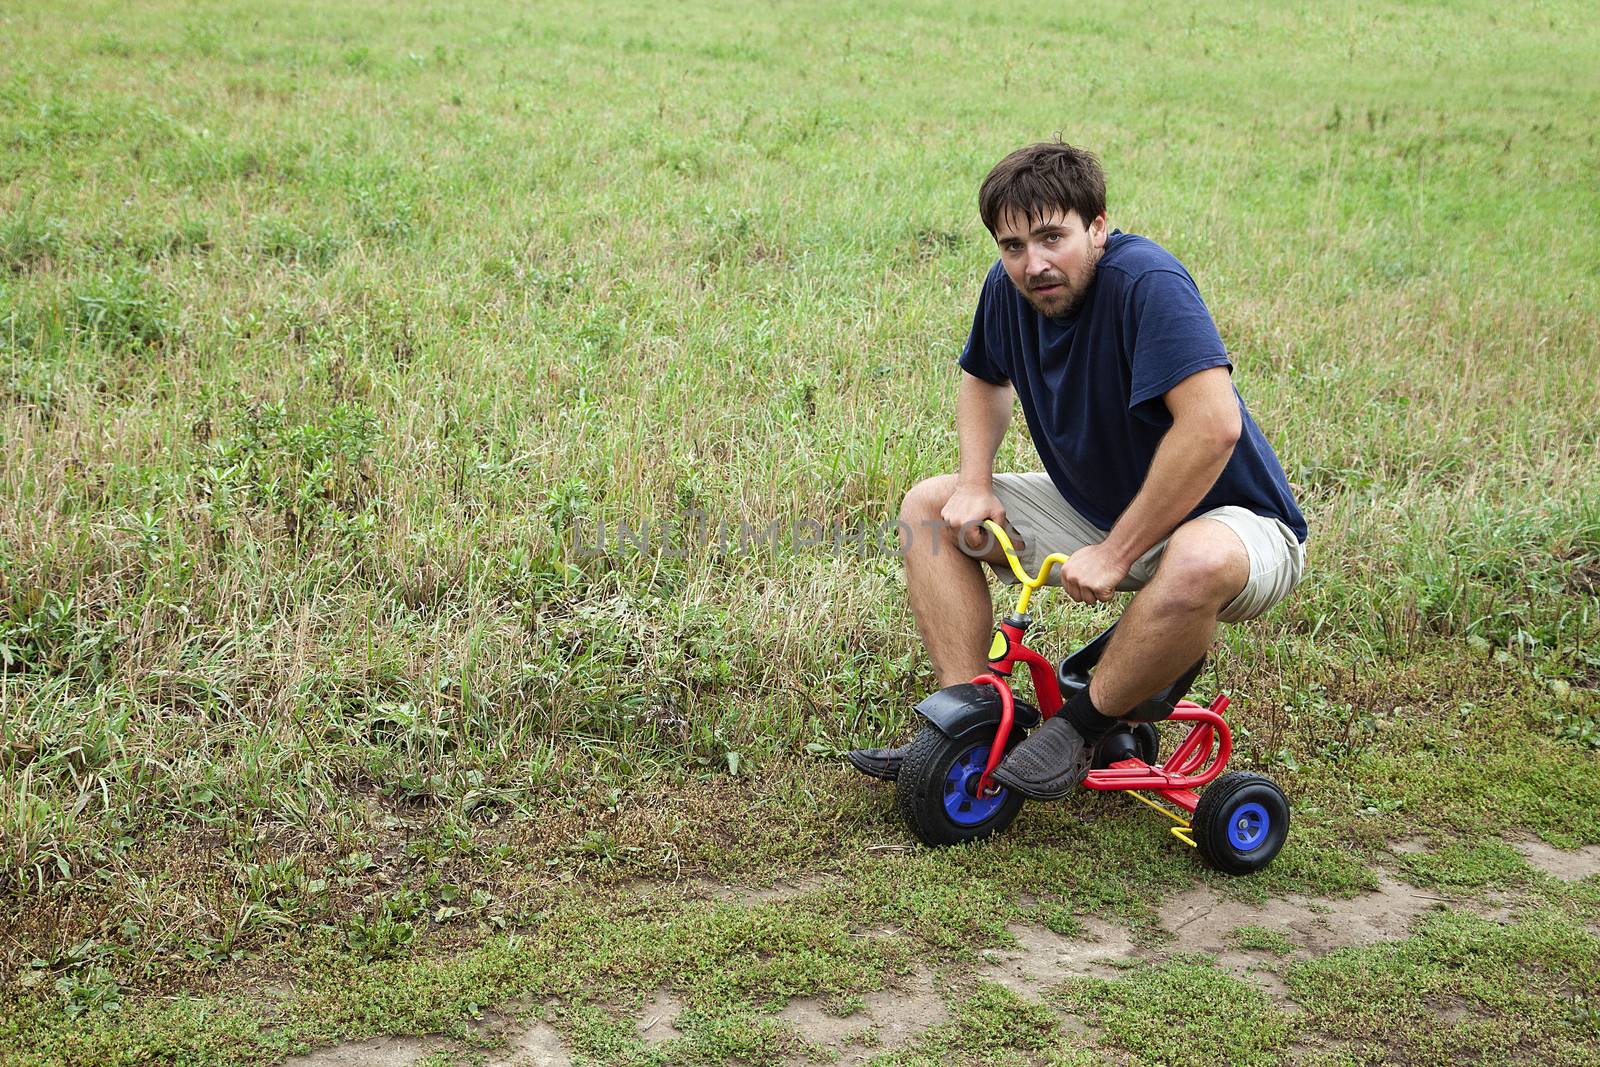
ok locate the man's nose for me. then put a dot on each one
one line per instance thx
(1037, 264)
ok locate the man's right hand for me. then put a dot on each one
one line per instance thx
(965, 511)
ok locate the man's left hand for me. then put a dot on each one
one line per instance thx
(1091, 575)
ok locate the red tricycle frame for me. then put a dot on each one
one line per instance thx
(1197, 760)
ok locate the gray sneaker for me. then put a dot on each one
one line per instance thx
(1048, 765)
(878, 762)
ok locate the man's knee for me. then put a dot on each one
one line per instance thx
(925, 501)
(922, 515)
(1203, 567)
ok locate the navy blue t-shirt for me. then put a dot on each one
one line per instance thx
(1091, 385)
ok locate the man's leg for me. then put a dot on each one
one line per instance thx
(1168, 626)
(949, 600)
(1173, 620)
(948, 593)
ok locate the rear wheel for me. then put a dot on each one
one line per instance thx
(1241, 822)
(937, 789)
(1149, 741)
(1140, 740)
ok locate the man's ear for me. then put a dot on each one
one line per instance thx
(1098, 230)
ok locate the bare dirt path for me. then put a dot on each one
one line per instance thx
(1198, 920)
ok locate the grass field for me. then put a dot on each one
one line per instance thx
(331, 334)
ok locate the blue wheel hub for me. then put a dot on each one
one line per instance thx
(961, 800)
(1248, 827)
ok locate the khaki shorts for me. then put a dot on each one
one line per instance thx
(1047, 524)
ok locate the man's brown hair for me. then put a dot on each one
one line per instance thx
(1042, 178)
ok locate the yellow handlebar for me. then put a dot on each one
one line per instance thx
(1028, 584)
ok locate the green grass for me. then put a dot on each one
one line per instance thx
(1463, 986)
(1262, 939)
(331, 334)
(996, 1024)
(1185, 1011)
(1468, 865)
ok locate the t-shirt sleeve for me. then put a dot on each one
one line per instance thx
(978, 358)
(1169, 336)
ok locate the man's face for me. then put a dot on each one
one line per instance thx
(1051, 260)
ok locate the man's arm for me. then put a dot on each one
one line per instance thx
(1205, 426)
(983, 411)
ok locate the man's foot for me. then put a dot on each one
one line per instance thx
(878, 762)
(1048, 765)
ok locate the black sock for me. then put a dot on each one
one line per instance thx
(1081, 713)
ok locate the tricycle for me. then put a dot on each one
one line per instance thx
(944, 789)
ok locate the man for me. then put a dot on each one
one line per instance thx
(1155, 477)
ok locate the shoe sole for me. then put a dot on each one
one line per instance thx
(1035, 792)
(873, 770)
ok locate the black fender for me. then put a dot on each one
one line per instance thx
(962, 711)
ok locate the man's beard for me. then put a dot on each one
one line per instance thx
(1066, 302)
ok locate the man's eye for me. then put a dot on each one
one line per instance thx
(1052, 237)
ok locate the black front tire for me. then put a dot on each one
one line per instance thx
(1241, 822)
(920, 789)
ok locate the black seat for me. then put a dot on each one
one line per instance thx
(1074, 675)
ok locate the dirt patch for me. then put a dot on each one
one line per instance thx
(708, 889)
(532, 1045)
(885, 933)
(1567, 865)
(1409, 846)
(1043, 957)
(812, 1021)
(1201, 920)
(537, 1046)
(378, 1052)
(888, 1018)
(657, 1019)
(739, 894)
(1585, 578)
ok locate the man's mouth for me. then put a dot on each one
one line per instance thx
(1047, 288)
